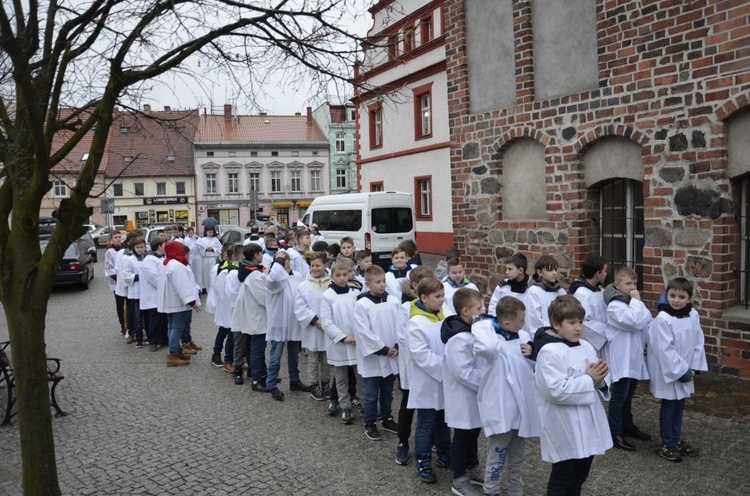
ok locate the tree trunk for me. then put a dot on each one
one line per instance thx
(26, 328)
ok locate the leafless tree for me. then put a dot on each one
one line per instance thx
(88, 55)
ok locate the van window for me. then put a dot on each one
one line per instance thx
(391, 220)
(338, 220)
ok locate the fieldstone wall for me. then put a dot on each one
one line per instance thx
(671, 76)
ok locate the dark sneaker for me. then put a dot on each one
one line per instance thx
(276, 394)
(299, 386)
(670, 453)
(327, 391)
(402, 454)
(258, 387)
(333, 408)
(621, 443)
(356, 403)
(347, 417)
(139, 343)
(443, 459)
(317, 393)
(634, 432)
(153, 347)
(389, 425)
(216, 360)
(424, 469)
(686, 450)
(372, 432)
(238, 376)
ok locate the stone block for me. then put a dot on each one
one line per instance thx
(479, 170)
(698, 266)
(510, 236)
(502, 253)
(698, 139)
(691, 237)
(672, 174)
(470, 151)
(670, 269)
(658, 237)
(678, 142)
(496, 237)
(690, 200)
(490, 186)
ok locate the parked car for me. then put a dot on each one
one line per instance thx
(233, 234)
(47, 225)
(150, 233)
(88, 242)
(77, 265)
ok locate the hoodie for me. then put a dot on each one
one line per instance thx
(545, 336)
(582, 282)
(517, 286)
(611, 293)
(407, 293)
(452, 326)
(246, 268)
(417, 308)
(549, 287)
(320, 283)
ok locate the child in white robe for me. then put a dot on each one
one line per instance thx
(543, 290)
(569, 380)
(675, 350)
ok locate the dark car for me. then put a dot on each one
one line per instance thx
(233, 234)
(77, 265)
(47, 225)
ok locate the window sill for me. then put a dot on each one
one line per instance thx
(737, 313)
(424, 218)
(422, 137)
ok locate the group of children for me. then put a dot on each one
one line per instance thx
(536, 364)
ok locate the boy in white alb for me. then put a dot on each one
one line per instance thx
(363, 261)
(131, 268)
(543, 290)
(337, 320)
(297, 253)
(378, 317)
(587, 288)
(226, 290)
(397, 273)
(676, 349)
(314, 340)
(515, 284)
(425, 369)
(627, 324)
(462, 373)
(282, 327)
(455, 280)
(507, 394)
(156, 322)
(569, 380)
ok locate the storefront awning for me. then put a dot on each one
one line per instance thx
(282, 204)
(303, 203)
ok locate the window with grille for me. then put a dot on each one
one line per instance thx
(210, 182)
(340, 142)
(315, 180)
(117, 189)
(233, 182)
(295, 178)
(745, 241)
(341, 178)
(60, 189)
(275, 181)
(621, 226)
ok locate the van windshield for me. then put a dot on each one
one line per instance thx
(391, 220)
(338, 220)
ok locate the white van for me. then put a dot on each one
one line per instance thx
(377, 221)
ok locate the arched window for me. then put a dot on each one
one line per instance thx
(621, 225)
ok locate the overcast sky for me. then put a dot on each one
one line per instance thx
(180, 91)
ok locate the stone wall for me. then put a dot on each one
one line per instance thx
(672, 75)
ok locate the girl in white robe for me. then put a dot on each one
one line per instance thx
(208, 248)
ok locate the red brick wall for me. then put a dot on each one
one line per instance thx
(670, 73)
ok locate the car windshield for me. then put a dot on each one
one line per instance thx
(71, 252)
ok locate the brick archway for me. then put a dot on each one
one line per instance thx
(511, 135)
(615, 130)
(732, 106)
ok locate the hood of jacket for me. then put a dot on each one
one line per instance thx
(517, 286)
(451, 326)
(320, 283)
(416, 308)
(611, 293)
(545, 336)
(174, 250)
(538, 281)
(581, 282)
(375, 299)
(246, 268)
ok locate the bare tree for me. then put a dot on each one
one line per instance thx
(88, 55)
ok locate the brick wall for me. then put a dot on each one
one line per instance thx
(670, 75)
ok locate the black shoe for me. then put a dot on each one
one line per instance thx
(686, 450)
(299, 386)
(620, 443)
(671, 453)
(276, 394)
(216, 360)
(333, 408)
(389, 425)
(153, 347)
(372, 432)
(257, 386)
(634, 432)
(238, 376)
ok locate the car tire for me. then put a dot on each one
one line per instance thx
(85, 284)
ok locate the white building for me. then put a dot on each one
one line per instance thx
(282, 160)
(402, 118)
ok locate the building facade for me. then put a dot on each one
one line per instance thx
(150, 168)
(275, 164)
(338, 123)
(403, 138)
(621, 128)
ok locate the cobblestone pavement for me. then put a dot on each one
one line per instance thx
(137, 427)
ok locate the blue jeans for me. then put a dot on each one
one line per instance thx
(186, 337)
(176, 324)
(378, 388)
(620, 405)
(157, 326)
(258, 357)
(464, 451)
(431, 426)
(135, 324)
(670, 421)
(224, 333)
(274, 361)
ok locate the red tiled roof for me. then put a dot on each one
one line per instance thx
(258, 129)
(148, 140)
(73, 161)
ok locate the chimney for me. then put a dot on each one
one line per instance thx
(263, 114)
(227, 112)
(309, 115)
(167, 108)
(298, 114)
(146, 108)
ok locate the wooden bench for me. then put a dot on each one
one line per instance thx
(7, 381)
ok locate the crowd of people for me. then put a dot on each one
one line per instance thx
(536, 363)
